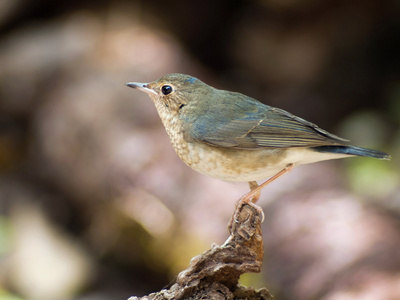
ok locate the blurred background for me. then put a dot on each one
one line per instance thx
(95, 204)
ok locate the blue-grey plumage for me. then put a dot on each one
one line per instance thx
(352, 151)
(234, 137)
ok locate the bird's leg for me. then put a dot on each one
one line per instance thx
(254, 195)
(253, 185)
(251, 200)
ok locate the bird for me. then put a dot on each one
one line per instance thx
(236, 138)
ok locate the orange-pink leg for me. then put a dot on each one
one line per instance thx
(252, 197)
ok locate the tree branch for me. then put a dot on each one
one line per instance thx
(215, 273)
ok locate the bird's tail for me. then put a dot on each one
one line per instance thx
(352, 150)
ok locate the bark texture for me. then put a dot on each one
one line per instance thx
(215, 273)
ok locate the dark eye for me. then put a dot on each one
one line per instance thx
(166, 89)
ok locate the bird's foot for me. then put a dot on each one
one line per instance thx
(248, 199)
(252, 197)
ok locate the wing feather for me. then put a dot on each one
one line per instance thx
(249, 124)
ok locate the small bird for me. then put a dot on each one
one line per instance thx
(233, 137)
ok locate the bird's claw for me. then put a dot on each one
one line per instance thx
(238, 207)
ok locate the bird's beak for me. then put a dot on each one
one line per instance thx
(141, 87)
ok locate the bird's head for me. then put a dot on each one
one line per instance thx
(173, 92)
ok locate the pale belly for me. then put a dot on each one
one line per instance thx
(237, 165)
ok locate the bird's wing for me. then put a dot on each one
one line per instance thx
(249, 124)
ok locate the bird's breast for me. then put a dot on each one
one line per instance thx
(228, 164)
(232, 164)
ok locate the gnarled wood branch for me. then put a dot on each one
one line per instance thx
(215, 273)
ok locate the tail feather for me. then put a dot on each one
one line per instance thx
(352, 150)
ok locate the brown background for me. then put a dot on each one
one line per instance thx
(94, 203)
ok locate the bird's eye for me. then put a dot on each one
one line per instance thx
(166, 89)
